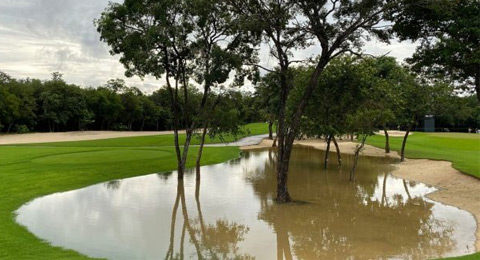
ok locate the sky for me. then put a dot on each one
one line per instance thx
(38, 37)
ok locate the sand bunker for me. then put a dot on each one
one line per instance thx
(71, 136)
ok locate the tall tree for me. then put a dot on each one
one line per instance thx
(182, 41)
(220, 48)
(336, 26)
(449, 36)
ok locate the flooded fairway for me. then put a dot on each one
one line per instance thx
(232, 214)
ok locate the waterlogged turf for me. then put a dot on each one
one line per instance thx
(31, 171)
(233, 211)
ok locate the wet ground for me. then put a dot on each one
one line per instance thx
(232, 214)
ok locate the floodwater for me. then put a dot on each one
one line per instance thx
(232, 214)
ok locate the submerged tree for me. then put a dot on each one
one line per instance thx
(336, 26)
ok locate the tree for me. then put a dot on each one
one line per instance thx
(9, 107)
(338, 95)
(337, 26)
(415, 105)
(449, 36)
(178, 40)
(266, 96)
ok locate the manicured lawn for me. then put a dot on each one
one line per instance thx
(31, 171)
(462, 149)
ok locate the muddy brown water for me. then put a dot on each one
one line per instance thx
(232, 214)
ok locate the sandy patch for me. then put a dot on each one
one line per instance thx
(454, 188)
(71, 136)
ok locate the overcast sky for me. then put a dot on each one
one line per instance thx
(38, 37)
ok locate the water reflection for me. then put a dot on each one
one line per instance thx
(211, 241)
(231, 214)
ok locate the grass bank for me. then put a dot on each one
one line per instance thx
(31, 171)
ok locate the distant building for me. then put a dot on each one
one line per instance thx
(429, 123)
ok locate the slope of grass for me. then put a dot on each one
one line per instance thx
(462, 149)
(31, 171)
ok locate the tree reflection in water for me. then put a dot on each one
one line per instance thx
(343, 220)
(211, 241)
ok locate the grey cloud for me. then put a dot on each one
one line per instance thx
(38, 37)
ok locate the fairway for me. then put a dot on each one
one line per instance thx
(462, 149)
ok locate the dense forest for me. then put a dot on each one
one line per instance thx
(33, 105)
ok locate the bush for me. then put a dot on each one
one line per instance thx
(119, 127)
(22, 129)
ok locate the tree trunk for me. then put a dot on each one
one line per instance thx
(287, 133)
(329, 138)
(283, 242)
(186, 220)
(172, 225)
(183, 159)
(200, 151)
(387, 141)
(384, 190)
(275, 141)
(402, 154)
(477, 84)
(406, 189)
(143, 125)
(9, 127)
(351, 137)
(270, 131)
(283, 158)
(355, 160)
(339, 155)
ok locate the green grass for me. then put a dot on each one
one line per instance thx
(31, 171)
(462, 149)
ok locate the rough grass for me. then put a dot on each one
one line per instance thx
(31, 171)
(462, 149)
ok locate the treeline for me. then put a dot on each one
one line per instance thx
(33, 105)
